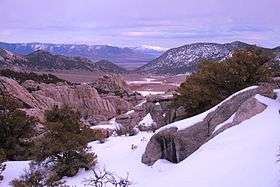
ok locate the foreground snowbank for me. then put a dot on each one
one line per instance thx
(243, 156)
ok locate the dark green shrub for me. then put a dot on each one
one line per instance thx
(2, 166)
(214, 81)
(65, 143)
(15, 130)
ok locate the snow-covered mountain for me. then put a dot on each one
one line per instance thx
(185, 59)
(126, 57)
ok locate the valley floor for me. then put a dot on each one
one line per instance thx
(242, 156)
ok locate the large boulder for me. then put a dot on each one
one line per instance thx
(247, 110)
(175, 145)
(160, 142)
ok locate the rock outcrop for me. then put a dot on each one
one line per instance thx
(120, 105)
(175, 145)
(12, 88)
(84, 98)
(31, 85)
(113, 84)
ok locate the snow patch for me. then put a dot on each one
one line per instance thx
(147, 121)
(146, 93)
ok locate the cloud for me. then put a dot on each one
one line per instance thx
(142, 34)
(157, 48)
(162, 23)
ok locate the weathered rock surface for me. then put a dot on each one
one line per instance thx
(83, 97)
(15, 90)
(121, 106)
(248, 109)
(31, 85)
(175, 145)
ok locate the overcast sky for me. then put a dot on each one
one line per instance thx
(164, 23)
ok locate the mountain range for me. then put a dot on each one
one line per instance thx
(180, 60)
(185, 59)
(127, 57)
(45, 61)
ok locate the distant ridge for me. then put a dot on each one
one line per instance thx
(41, 60)
(127, 57)
(185, 59)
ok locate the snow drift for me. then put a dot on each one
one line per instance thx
(244, 155)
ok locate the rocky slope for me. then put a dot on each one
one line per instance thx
(45, 61)
(126, 57)
(9, 59)
(185, 59)
(38, 97)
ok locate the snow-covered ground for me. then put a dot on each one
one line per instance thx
(145, 81)
(146, 93)
(243, 156)
(147, 121)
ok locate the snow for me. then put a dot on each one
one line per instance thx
(13, 170)
(156, 48)
(112, 125)
(146, 93)
(141, 103)
(145, 81)
(183, 124)
(147, 121)
(188, 56)
(244, 155)
(130, 112)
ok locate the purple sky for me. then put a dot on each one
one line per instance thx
(164, 23)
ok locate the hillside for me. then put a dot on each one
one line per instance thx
(126, 57)
(41, 60)
(9, 59)
(185, 59)
(109, 67)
